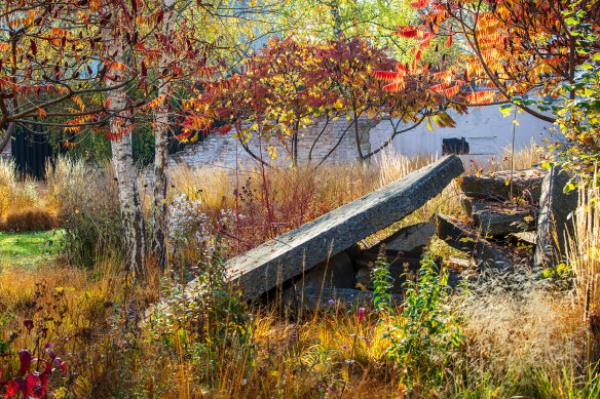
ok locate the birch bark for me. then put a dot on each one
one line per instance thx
(122, 152)
(161, 135)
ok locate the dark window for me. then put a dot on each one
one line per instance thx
(455, 146)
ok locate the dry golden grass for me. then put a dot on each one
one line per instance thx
(539, 327)
(29, 219)
(583, 251)
(268, 202)
(532, 346)
(16, 194)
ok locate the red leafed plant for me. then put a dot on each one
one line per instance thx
(509, 49)
(35, 369)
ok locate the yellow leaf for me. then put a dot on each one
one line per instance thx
(272, 151)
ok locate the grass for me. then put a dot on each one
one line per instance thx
(535, 344)
(30, 250)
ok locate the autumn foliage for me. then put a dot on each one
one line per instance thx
(290, 84)
(512, 49)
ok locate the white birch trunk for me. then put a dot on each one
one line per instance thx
(122, 161)
(161, 134)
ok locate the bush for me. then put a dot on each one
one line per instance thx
(31, 219)
(427, 333)
(88, 210)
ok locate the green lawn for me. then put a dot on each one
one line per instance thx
(29, 250)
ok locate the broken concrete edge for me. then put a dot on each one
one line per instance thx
(495, 223)
(461, 237)
(409, 238)
(291, 254)
(496, 188)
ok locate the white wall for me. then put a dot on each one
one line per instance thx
(486, 130)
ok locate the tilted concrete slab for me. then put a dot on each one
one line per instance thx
(289, 255)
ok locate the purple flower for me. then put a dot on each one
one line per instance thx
(331, 302)
(49, 351)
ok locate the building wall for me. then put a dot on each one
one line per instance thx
(486, 130)
(226, 151)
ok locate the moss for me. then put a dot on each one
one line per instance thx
(29, 249)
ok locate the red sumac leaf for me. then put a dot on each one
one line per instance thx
(407, 32)
(449, 41)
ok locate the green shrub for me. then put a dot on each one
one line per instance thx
(88, 210)
(427, 333)
(382, 283)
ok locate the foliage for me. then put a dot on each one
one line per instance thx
(562, 271)
(192, 233)
(65, 52)
(513, 48)
(207, 316)
(217, 346)
(513, 52)
(28, 382)
(88, 210)
(288, 84)
(427, 333)
(382, 283)
(576, 103)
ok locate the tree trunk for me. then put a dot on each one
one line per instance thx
(161, 136)
(122, 159)
(129, 200)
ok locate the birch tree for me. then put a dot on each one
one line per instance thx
(117, 57)
(161, 136)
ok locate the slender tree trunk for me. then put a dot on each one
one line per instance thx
(161, 136)
(122, 160)
(131, 208)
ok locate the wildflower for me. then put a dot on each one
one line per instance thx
(361, 314)
(331, 302)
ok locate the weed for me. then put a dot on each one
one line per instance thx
(426, 333)
(382, 282)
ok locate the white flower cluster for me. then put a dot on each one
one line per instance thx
(186, 220)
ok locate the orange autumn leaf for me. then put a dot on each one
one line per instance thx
(407, 32)
(419, 4)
